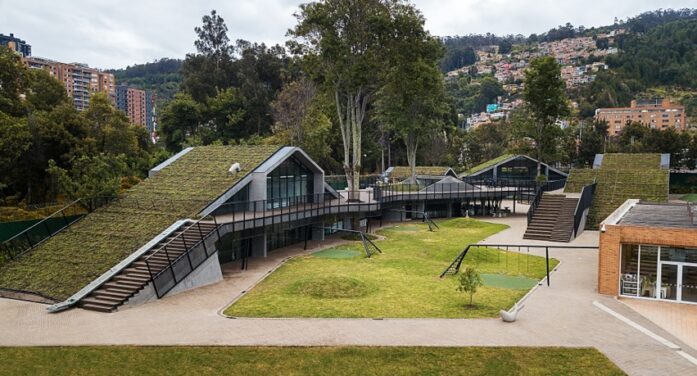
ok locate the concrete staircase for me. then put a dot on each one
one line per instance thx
(132, 279)
(553, 219)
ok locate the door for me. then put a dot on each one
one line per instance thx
(688, 285)
(668, 289)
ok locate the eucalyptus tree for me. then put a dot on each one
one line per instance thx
(348, 46)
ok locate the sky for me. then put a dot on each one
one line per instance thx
(117, 33)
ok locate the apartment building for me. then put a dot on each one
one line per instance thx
(80, 80)
(15, 44)
(657, 114)
(138, 105)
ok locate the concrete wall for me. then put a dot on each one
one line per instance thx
(614, 236)
(207, 273)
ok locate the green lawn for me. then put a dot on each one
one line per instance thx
(692, 197)
(401, 282)
(304, 361)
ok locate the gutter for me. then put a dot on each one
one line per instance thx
(71, 301)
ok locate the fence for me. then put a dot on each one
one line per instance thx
(584, 203)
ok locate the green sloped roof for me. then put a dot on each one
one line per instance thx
(403, 172)
(619, 178)
(487, 164)
(67, 262)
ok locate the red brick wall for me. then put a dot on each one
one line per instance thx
(614, 236)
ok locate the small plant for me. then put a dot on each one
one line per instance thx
(470, 281)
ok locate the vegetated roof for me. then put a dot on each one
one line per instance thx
(659, 215)
(619, 178)
(403, 172)
(487, 164)
(70, 260)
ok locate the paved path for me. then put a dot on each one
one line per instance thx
(560, 315)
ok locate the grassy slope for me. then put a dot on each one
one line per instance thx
(692, 197)
(621, 177)
(69, 261)
(401, 282)
(403, 172)
(305, 361)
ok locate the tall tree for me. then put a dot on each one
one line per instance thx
(545, 100)
(413, 100)
(346, 44)
(212, 38)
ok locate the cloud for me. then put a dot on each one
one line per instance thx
(117, 33)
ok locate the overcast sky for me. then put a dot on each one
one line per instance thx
(117, 33)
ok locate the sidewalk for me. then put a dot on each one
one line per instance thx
(560, 315)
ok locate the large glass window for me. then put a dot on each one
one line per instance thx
(289, 183)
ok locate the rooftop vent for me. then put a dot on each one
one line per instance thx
(235, 168)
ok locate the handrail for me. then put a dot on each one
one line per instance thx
(584, 202)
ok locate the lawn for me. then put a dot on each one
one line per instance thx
(403, 281)
(692, 197)
(126, 360)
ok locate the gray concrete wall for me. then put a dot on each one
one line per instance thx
(207, 273)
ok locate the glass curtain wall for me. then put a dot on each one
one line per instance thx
(665, 273)
(289, 183)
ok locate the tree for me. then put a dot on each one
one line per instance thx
(179, 120)
(90, 177)
(14, 81)
(346, 44)
(545, 100)
(413, 101)
(469, 281)
(212, 38)
(15, 140)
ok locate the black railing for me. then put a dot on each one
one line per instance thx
(584, 203)
(45, 229)
(180, 264)
(539, 191)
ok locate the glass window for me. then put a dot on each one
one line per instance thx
(289, 183)
(648, 270)
(629, 267)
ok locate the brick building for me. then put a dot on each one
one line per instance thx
(655, 114)
(649, 251)
(80, 81)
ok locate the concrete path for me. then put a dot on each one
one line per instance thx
(560, 315)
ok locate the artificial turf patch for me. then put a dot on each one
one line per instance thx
(508, 281)
(339, 253)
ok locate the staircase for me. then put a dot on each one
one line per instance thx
(564, 226)
(545, 222)
(124, 285)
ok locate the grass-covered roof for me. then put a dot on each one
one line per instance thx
(67, 262)
(403, 172)
(487, 164)
(619, 178)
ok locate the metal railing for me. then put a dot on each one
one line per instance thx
(454, 266)
(47, 228)
(584, 203)
(180, 264)
(539, 192)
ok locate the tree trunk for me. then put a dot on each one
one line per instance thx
(412, 143)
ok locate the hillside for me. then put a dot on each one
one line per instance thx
(162, 76)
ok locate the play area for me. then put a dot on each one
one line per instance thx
(402, 281)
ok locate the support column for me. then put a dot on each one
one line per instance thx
(318, 233)
(259, 246)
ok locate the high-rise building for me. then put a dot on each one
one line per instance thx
(657, 114)
(15, 44)
(139, 106)
(80, 81)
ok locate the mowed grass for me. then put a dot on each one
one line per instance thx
(126, 360)
(692, 197)
(403, 281)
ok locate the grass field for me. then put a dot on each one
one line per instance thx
(403, 281)
(692, 197)
(304, 361)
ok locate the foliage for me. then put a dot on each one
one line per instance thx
(458, 57)
(545, 100)
(98, 176)
(402, 280)
(14, 80)
(162, 76)
(70, 260)
(469, 281)
(472, 96)
(379, 361)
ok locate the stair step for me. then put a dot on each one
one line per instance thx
(112, 294)
(97, 307)
(102, 300)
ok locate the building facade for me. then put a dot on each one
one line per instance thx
(15, 44)
(139, 106)
(80, 80)
(654, 114)
(649, 251)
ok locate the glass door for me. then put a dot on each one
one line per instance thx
(669, 282)
(688, 285)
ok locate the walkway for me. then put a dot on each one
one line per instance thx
(560, 315)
